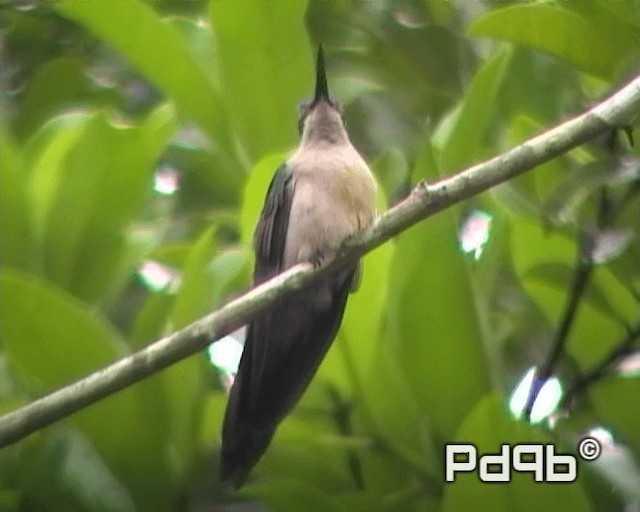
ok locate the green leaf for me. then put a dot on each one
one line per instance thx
(184, 381)
(593, 333)
(461, 138)
(565, 202)
(10, 500)
(173, 254)
(50, 336)
(432, 322)
(230, 272)
(158, 50)
(491, 277)
(388, 412)
(52, 339)
(528, 192)
(59, 85)
(151, 320)
(194, 297)
(87, 185)
(488, 427)
(206, 179)
(81, 472)
(302, 437)
(354, 350)
(617, 402)
(536, 86)
(198, 38)
(626, 12)
(63, 471)
(598, 44)
(45, 154)
(288, 495)
(560, 275)
(15, 231)
(392, 171)
(265, 64)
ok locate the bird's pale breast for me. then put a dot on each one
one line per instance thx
(334, 197)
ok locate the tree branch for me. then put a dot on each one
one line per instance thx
(581, 277)
(424, 201)
(602, 369)
(607, 212)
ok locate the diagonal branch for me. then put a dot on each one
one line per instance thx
(424, 201)
(580, 280)
(604, 368)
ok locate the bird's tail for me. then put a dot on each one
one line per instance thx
(242, 443)
(282, 352)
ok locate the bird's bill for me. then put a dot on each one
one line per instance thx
(322, 89)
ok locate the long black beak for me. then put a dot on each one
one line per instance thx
(322, 89)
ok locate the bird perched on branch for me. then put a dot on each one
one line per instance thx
(321, 195)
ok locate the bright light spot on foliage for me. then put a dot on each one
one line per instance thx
(616, 462)
(225, 354)
(25, 5)
(191, 137)
(629, 366)
(407, 19)
(609, 244)
(628, 170)
(546, 402)
(475, 233)
(603, 435)
(167, 181)
(159, 277)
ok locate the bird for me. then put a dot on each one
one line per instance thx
(323, 194)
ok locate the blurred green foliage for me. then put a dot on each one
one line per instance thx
(137, 140)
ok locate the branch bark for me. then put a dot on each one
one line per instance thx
(425, 200)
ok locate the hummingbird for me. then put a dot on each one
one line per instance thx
(323, 194)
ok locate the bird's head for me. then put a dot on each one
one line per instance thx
(320, 118)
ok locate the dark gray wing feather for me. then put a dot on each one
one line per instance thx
(271, 232)
(284, 347)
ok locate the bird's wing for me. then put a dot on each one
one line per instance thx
(284, 346)
(240, 441)
(269, 243)
(271, 231)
